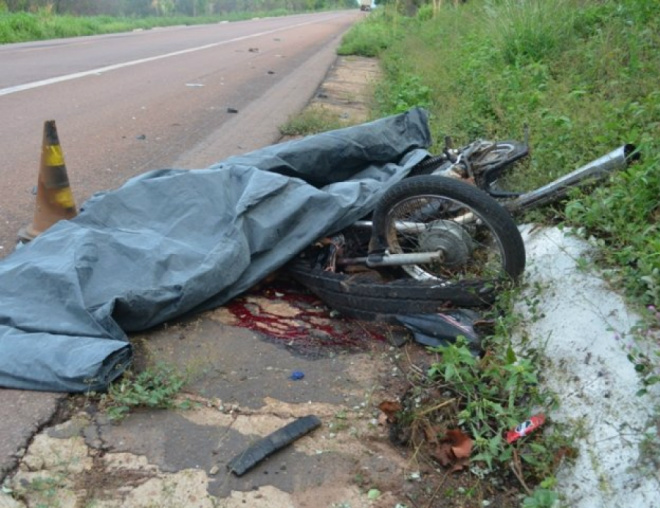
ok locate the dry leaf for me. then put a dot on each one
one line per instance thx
(443, 454)
(454, 450)
(461, 444)
(390, 408)
(460, 464)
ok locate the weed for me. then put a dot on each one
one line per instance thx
(641, 346)
(649, 449)
(541, 498)
(535, 33)
(311, 121)
(43, 492)
(410, 93)
(155, 387)
(490, 391)
(488, 395)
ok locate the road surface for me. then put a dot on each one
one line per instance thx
(170, 97)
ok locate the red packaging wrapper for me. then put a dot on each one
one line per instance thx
(525, 428)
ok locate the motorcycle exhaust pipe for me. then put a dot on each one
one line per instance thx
(593, 171)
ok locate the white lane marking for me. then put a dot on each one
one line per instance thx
(108, 68)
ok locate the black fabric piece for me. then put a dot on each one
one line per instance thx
(443, 328)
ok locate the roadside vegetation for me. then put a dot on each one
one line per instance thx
(30, 20)
(43, 25)
(582, 76)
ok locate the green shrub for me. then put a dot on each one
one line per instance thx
(425, 12)
(365, 39)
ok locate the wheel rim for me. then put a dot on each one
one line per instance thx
(498, 154)
(428, 223)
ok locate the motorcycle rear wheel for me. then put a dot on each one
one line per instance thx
(477, 238)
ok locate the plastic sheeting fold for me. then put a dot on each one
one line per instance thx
(172, 242)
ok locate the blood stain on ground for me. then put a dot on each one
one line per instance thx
(289, 314)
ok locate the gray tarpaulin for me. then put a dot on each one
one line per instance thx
(171, 242)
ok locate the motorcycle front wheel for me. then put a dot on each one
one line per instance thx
(476, 238)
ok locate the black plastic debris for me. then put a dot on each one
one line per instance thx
(443, 328)
(258, 451)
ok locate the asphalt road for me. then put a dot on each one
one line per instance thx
(170, 97)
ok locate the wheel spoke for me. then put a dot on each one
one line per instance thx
(430, 223)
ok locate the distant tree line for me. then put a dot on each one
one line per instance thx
(166, 7)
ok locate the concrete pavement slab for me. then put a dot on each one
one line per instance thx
(22, 414)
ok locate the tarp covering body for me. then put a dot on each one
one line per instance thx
(172, 242)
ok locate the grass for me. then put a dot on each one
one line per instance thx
(369, 38)
(582, 75)
(311, 121)
(154, 387)
(42, 25)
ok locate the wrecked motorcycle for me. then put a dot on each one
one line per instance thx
(440, 229)
(431, 242)
(447, 229)
(444, 230)
(435, 229)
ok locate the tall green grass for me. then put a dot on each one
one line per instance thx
(376, 33)
(29, 26)
(583, 75)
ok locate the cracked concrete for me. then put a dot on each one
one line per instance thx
(179, 457)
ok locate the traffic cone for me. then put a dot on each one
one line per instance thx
(54, 197)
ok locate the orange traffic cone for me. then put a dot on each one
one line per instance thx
(54, 197)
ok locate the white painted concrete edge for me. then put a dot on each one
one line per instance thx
(584, 329)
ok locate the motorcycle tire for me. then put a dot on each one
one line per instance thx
(479, 241)
(368, 298)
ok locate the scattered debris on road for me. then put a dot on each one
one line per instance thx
(275, 441)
